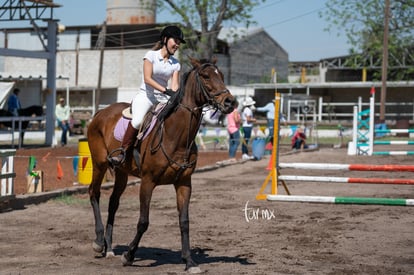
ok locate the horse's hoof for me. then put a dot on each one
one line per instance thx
(125, 260)
(97, 248)
(110, 254)
(194, 270)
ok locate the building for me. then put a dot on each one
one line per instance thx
(103, 63)
(254, 56)
(79, 59)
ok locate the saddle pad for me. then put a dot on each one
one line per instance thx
(122, 124)
(120, 128)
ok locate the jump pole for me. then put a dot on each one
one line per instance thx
(394, 142)
(348, 167)
(342, 200)
(347, 180)
(394, 153)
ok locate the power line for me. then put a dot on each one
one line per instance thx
(269, 5)
(295, 17)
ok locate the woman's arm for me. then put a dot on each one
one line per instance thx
(175, 81)
(250, 119)
(237, 118)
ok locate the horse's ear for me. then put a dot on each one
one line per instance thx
(195, 62)
(214, 60)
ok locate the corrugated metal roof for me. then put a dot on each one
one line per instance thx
(236, 33)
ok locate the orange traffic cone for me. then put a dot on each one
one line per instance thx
(59, 170)
(270, 164)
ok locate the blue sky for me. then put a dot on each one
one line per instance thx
(294, 24)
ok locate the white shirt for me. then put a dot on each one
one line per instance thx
(161, 71)
(247, 112)
(62, 112)
(269, 109)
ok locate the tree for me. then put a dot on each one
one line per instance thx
(363, 23)
(202, 20)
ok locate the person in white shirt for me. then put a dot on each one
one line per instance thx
(248, 120)
(62, 113)
(160, 66)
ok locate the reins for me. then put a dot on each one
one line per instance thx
(195, 113)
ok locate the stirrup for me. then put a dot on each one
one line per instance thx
(114, 159)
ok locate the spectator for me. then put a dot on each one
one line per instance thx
(13, 103)
(233, 127)
(62, 112)
(299, 139)
(269, 109)
(248, 120)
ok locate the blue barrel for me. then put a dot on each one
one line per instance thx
(258, 148)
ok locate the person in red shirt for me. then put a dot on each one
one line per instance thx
(233, 127)
(299, 139)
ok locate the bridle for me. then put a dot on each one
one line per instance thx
(209, 97)
(195, 114)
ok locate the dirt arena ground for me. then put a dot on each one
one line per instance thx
(55, 237)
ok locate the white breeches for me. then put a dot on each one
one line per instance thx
(142, 102)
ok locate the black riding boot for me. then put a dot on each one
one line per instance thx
(128, 140)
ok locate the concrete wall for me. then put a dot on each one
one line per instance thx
(121, 68)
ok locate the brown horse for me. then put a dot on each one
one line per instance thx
(168, 155)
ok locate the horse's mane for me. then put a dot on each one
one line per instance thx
(174, 100)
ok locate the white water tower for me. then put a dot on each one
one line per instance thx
(124, 12)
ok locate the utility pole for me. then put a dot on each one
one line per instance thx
(384, 60)
(100, 45)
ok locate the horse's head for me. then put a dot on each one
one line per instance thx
(210, 80)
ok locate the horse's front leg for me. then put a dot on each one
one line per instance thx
(121, 179)
(145, 194)
(183, 201)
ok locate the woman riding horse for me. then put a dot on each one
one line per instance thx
(168, 155)
(159, 67)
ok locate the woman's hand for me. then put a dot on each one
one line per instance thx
(169, 92)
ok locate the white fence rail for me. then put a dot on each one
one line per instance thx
(19, 129)
(7, 172)
(318, 110)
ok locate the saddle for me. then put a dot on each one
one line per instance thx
(157, 112)
(146, 126)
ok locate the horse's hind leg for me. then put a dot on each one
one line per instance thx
(145, 194)
(121, 179)
(98, 174)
